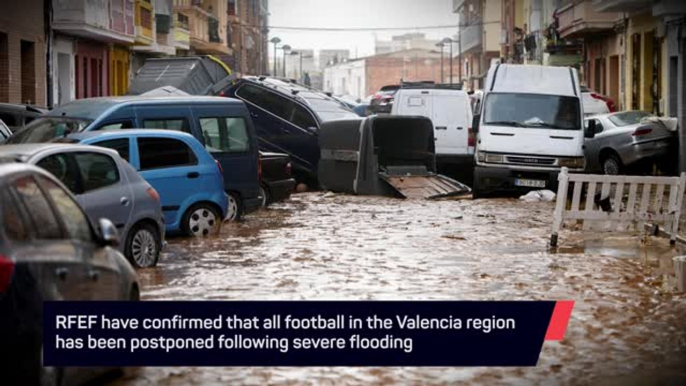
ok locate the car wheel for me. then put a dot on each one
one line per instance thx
(234, 211)
(201, 220)
(477, 191)
(612, 165)
(264, 192)
(143, 246)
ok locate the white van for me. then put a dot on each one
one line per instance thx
(530, 125)
(450, 111)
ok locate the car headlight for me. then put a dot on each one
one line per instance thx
(494, 158)
(572, 163)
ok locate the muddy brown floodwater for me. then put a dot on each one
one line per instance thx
(628, 325)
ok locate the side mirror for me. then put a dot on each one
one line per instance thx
(476, 120)
(589, 129)
(109, 236)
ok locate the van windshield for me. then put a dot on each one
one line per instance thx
(532, 111)
(48, 128)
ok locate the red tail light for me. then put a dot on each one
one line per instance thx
(609, 102)
(6, 270)
(289, 168)
(259, 168)
(642, 131)
(153, 193)
(219, 166)
(471, 138)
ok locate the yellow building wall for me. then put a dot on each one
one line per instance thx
(519, 18)
(119, 71)
(645, 25)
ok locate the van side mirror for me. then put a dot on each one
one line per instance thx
(476, 120)
(589, 129)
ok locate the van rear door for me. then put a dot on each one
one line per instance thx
(451, 123)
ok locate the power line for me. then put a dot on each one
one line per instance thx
(362, 29)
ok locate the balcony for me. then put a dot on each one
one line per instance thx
(580, 19)
(182, 34)
(204, 28)
(470, 37)
(144, 22)
(621, 5)
(109, 21)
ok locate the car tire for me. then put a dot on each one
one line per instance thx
(612, 165)
(477, 191)
(264, 192)
(143, 245)
(201, 220)
(234, 211)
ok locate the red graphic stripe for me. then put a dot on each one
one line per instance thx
(559, 320)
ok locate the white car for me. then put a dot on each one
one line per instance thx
(595, 103)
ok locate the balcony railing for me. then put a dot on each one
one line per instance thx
(470, 37)
(144, 21)
(102, 20)
(204, 29)
(580, 19)
(621, 5)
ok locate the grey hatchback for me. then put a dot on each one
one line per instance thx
(49, 250)
(106, 186)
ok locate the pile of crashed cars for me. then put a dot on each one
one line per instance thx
(91, 189)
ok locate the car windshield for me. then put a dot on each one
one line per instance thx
(628, 118)
(327, 109)
(48, 128)
(532, 111)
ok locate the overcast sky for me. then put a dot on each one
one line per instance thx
(356, 14)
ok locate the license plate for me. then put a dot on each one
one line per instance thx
(530, 183)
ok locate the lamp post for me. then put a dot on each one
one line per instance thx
(276, 41)
(459, 59)
(286, 48)
(440, 44)
(300, 53)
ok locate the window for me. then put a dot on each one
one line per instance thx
(627, 118)
(46, 129)
(225, 134)
(120, 145)
(156, 153)
(44, 221)
(73, 217)
(15, 229)
(127, 124)
(270, 101)
(598, 126)
(302, 118)
(97, 170)
(176, 124)
(10, 119)
(532, 111)
(59, 166)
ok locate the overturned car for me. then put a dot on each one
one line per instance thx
(383, 155)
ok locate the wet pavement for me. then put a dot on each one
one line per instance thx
(628, 325)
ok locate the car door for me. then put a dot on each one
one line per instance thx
(171, 167)
(101, 272)
(64, 267)
(450, 124)
(303, 136)
(228, 140)
(268, 112)
(105, 191)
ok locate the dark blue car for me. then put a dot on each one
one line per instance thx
(287, 117)
(222, 125)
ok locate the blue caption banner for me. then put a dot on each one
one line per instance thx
(295, 333)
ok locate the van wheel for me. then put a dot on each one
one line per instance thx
(143, 245)
(234, 211)
(477, 191)
(612, 165)
(201, 220)
(264, 192)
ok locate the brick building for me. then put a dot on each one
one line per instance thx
(22, 52)
(248, 31)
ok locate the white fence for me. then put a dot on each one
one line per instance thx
(621, 202)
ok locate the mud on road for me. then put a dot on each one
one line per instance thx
(628, 326)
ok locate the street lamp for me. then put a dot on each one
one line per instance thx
(440, 44)
(276, 41)
(300, 53)
(285, 48)
(459, 56)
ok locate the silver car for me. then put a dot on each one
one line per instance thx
(621, 141)
(106, 186)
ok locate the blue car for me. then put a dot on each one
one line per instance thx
(188, 179)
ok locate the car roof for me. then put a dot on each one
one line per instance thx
(519, 78)
(7, 169)
(290, 88)
(24, 151)
(22, 107)
(93, 108)
(129, 133)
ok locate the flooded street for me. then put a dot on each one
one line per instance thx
(626, 324)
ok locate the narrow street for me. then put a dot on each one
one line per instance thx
(321, 246)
